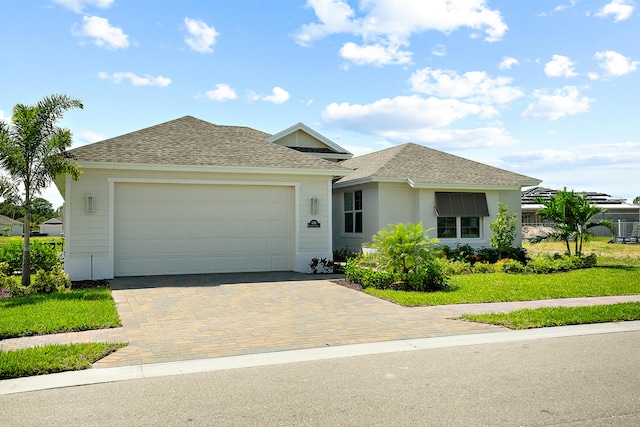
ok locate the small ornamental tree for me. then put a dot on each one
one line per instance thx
(503, 230)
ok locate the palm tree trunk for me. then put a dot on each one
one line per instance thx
(26, 253)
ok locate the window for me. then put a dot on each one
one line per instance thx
(448, 227)
(353, 212)
(459, 214)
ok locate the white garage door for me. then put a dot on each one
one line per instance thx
(187, 229)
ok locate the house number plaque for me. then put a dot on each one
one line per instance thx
(313, 224)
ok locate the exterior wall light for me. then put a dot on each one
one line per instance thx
(89, 203)
(314, 206)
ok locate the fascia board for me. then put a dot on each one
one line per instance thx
(218, 169)
(313, 133)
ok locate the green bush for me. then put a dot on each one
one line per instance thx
(453, 267)
(44, 256)
(510, 266)
(54, 280)
(342, 255)
(485, 267)
(404, 258)
(550, 264)
(11, 253)
(463, 253)
(368, 277)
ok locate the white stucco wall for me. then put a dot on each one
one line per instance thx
(89, 237)
(391, 203)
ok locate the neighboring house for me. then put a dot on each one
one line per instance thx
(52, 227)
(622, 214)
(188, 197)
(456, 197)
(15, 228)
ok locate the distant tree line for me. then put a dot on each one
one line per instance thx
(41, 210)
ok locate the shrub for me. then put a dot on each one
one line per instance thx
(550, 264)
(44, 256)
(510, 266)
(368, 276)
(452, 267)
(485, 267)
(11, 253)
(488, 255)
(321, 265)
(404, 258)
(464, 253)
(342, 255)
(503, 229)
(46, 282)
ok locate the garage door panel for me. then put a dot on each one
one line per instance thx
(180, 229)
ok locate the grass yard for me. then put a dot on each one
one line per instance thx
(52, 358)
(76, 310)
(500, 287)
(607, 253)
(559, 316)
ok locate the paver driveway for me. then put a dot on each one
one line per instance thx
(172, 318)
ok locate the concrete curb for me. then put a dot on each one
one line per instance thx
(97, 376)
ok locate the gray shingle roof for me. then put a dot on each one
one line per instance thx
(424, 165)
(190, 141)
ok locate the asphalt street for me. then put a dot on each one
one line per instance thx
(572, 381)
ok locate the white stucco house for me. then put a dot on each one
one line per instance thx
(10, 226)
(188, 196)
(52, 227)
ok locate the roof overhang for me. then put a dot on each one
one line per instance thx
(427, 185)
(213, 169)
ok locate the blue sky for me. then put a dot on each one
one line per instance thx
(544, 88)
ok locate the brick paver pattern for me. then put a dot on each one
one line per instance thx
(174, 318)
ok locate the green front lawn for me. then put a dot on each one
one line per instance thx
(499, 287)
(559, 316)
(76, 310)
(52, 358)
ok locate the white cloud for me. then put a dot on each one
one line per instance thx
(201, 36)
(508, 62)
(222, 92)
(439, 50)
(454, 139)
(135, 80)
(4, 118)
(616, 64)
(559, 66)
(386, 25)
(397, 113)
(475, 86)
(77, 6)
(562, 102)
(103, 33)
(278, 96)
(621, 9)
(563, 6)
(376, 54)
(89, 136)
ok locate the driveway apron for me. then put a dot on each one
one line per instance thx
(174, 318)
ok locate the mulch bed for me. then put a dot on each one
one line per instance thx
(348, 284)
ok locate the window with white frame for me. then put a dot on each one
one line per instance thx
(460, 215)
(352, 204)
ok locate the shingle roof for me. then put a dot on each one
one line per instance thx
(5, 220)
(424, 165)
(193, 142)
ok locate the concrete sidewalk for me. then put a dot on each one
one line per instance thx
(179, 318)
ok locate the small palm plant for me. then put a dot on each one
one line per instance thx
(407, 250)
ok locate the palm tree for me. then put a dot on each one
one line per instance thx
(32, 151)
(570, 214)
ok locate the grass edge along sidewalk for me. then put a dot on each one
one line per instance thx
(559, 316)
